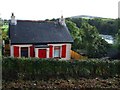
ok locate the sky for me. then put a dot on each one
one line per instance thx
(48, 9)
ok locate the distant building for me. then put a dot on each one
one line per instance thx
(42, 39)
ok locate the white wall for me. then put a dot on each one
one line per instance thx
(11, 51)
(68, 48)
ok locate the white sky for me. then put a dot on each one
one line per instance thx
(48, 9)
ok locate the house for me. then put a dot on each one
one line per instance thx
(41, 39)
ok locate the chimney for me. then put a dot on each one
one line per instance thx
(62, 21)
(13, 21)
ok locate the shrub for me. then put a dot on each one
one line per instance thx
(36, 69)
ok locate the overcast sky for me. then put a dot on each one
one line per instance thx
(48, 9)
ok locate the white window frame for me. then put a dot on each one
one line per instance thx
(59, 52)
(20, 49)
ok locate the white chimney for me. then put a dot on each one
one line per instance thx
(62, 21)
(13, 21)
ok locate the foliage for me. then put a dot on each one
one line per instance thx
(1, 22)
(38, 69)
(86, 38)
(118, 34)
(118, 39)
(5, 31)
(104, 26)
(76, 34)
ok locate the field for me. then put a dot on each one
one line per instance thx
(81, 83)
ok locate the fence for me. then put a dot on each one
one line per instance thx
(76, 56)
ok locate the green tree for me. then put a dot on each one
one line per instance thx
(105, 26)
(87, 39)
(1, 22)
(5, 32)
(118, 39)
(76, 34)
(118, 35)
(92, 42)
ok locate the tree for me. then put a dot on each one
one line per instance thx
(4, 31)
(87, 39)
(1, 22)
(118, 39)
(76, 34)
(118, 35)
(92, 42)
(105, 26)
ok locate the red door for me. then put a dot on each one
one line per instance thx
(42, 53)
(16, 51)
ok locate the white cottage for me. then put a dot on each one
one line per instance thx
(42, 39)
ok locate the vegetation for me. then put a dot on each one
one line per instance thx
(5, 31)
(117, 43)
(51, 74)
(103, 25)
(118, 39)
(38, 69)
(86, 38)
(1, 24)
(118, 35)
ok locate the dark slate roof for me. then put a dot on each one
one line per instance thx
(36, 32)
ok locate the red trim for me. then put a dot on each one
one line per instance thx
(32, 53)
(63, 51)
(16, 51)
(51, 51)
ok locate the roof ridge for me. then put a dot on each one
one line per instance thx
(35, 21)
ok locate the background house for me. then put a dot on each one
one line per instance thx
(42, 39)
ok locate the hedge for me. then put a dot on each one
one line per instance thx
(37, 69)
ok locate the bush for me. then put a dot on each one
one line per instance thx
(37, 69)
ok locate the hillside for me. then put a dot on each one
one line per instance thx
(106, 26)
(85, 16)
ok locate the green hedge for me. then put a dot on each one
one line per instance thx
(37, 69)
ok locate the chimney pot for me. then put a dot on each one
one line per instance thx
(13, 21)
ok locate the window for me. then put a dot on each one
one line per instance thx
(24, 51)
(57, 51)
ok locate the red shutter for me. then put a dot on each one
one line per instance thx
(51, 51)
(16, 51)
(63, 51)
(32, 54)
